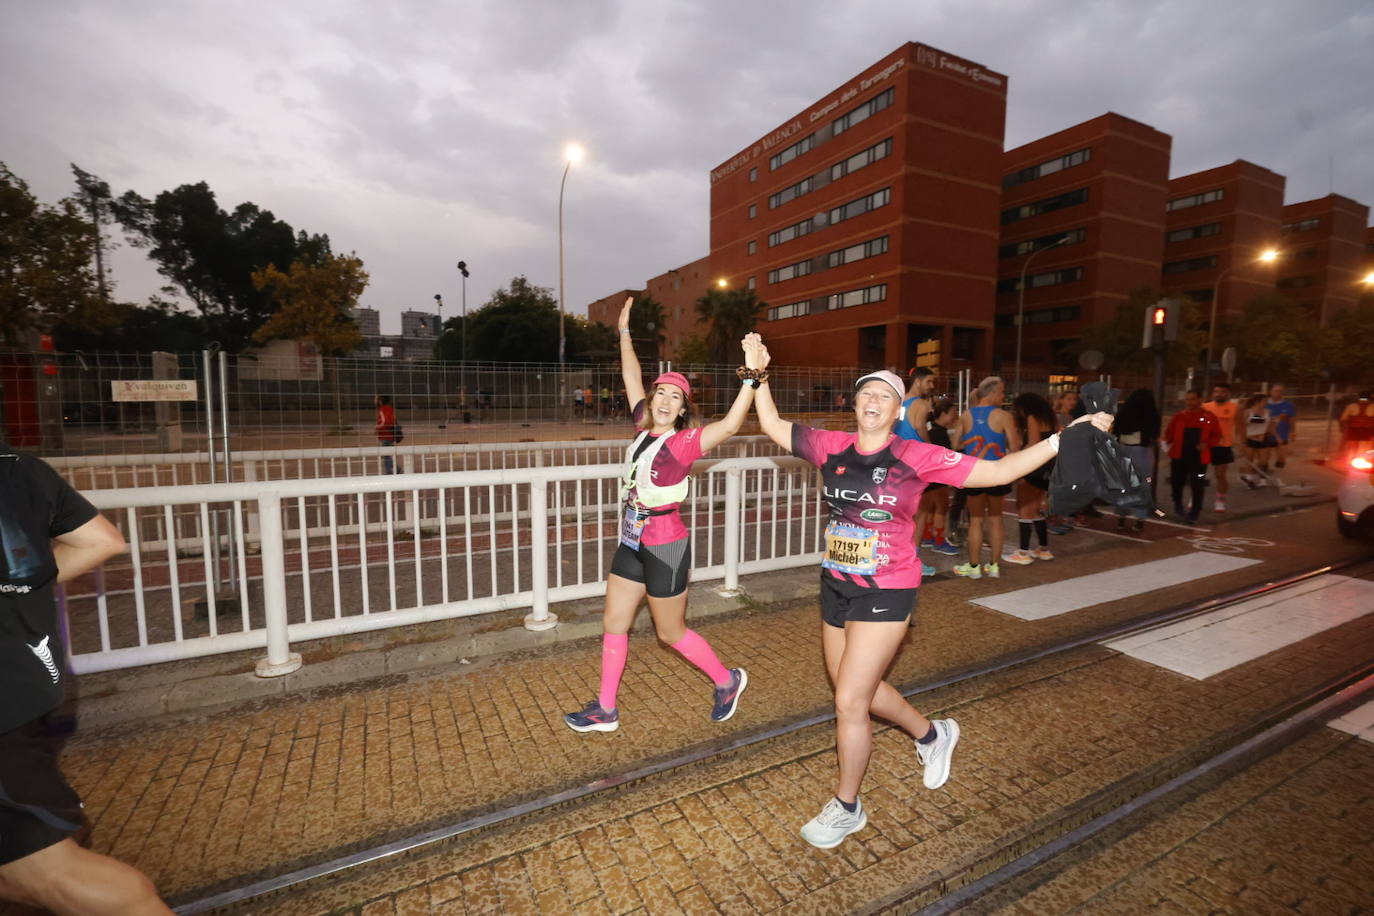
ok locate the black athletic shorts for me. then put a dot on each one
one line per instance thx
(663, 568)
(1260, 443)
(842, 601)
(1001, 490)
(37, 807)
(1222, 454)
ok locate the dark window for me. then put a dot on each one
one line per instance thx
(1183, 267)
(787, 234)
(753, 246)
(862, 113)
(860, 159)
(1193, 232)
(781, 274)
(1048, 205)
(1026, 246)
(1195, 200)
(785, 156)
(753, 210)
(860, 206)
(854, 297)
(1047, 168)
(805, 186)
(754, 174)
(790, 310)
(857, 252)
(1304, 225)
(1035, 281)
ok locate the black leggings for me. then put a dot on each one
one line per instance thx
(1191, 472)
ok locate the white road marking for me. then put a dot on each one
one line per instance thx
(1358, 722)
(1051, 599)
(1211, 643)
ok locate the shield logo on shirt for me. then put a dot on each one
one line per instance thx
(879, 475)
(840, 470)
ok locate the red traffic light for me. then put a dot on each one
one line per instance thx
(1159, 316)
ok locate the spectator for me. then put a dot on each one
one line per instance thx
(1192, 434)
(51, 534)
(1137, 429)
(1285, 417)
(388, 431)
(987, 432)
(605, 400)
(1226, 411)
(577, 400)
(1357, 426)
(1035, 422)
(912, 420)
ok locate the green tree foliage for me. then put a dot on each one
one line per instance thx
(314, 302)
(693, 350)
(729, 315)
(1275, 338)
(1118, 339)
(210, 255)
(45, 263)
(519, 323)
(136, 329)
(1349, 344)
(646, 329)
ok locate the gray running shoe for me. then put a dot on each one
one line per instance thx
(829, 828)
(727, 697)
(935, 755)
(593, 718)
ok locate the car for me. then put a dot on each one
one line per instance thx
(1355, 499)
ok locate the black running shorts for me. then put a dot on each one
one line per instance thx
(1222, 454)
(843, 601)
(999, 490)
(663, 568)
(37, 807)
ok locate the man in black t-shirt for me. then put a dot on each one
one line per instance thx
(48, 534)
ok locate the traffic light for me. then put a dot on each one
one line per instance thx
(1161, 322)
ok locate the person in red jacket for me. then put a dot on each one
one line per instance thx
(1190, 438)
(388, 433)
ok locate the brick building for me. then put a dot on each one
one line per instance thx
(1322, 254)
(1218, 224)
(868, 221)
(1082, 216)
(676, 291)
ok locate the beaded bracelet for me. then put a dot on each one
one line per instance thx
(760, 375)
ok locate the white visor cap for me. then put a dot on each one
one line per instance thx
(891, 378)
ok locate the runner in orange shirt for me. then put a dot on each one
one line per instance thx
(1223, 456)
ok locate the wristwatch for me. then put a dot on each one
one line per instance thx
(750, 382)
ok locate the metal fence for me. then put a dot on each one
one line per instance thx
(228, 567)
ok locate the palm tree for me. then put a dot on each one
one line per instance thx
(729, 315)
(646, 328)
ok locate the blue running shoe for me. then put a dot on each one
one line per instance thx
(593, 718)
(727, 697)
(927, 542)
(946, 548)
(927, 570)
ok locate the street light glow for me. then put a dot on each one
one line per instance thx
(1271, 255)
(573, 153)
(721, 283)
(1368, 279)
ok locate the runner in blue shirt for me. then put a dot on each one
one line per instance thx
(1284, 415)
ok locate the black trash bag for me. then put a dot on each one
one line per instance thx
(1092, 465)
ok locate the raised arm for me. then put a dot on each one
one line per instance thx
(630, 372)
(1018, 464)
(773, 426)
(714, 434)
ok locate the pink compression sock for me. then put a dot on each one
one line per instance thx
(614, 648)
(699, 652)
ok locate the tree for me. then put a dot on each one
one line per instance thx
(136, 329)
(729, 315)
(1118, 339)
(314, 302)
(1275, 338)
(519, 323)
(45, 262)
(1350, 344)
(95, 196)
(646, 329)
(210, 255)
(693, 350)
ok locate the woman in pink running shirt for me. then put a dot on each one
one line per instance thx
(873, 481)
(655, 553)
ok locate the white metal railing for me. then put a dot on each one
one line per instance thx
(350, 554)
(99, 472)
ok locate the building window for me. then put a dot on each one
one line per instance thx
(860, 159)
(1296, 282)
(853, 297)
(790, 310)
(1026, 246)
(1035, 281)
(862, 113)
(749, 284)
(780, 159)
(1048, 205)
(794, 231)
(1305, 225)
(1042, 316)
(1195, 200)
(753, 210)
(805, 186)
(799, 269)
(754, 174)
(857, 252)
(1193, 232)
(753, 246)
(1047, 168)
(1183, 267)
(860, 206)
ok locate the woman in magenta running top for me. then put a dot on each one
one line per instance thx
(655, 552)
(869, 575)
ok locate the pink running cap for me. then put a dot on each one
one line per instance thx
(675, 378)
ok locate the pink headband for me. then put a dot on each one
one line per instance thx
(675, 378)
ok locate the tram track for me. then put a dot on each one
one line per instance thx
(232, 896)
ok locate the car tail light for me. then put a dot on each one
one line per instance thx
(1362, 463)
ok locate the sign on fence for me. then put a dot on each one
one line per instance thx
(153, 390)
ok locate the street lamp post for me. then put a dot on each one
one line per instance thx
(463, 337)
(1266, 257)
(1021, 305)
(572, 153)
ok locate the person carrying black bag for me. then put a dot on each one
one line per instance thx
(1092, 465)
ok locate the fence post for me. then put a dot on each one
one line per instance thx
(280, 659)
(733, 491)
(539, 617)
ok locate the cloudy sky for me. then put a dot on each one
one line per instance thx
(420, 133)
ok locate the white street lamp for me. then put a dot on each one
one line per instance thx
(1266, 257)
(572, 153)
(1021, 305)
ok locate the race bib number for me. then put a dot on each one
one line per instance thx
(632, 526)
(850, 549)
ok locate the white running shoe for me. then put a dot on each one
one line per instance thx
(935, 755)
(1019, 557)
(969, 570)
(1042, 553)
(992, 570)
(1219, 505)
(829, 828)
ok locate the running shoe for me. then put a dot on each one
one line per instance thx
(829, 828)
(1219, 505)
(727, 697)
(593, 718)
(1019, 557)
(1179, 510)
(1140, 524)
(1042, 553)
(1251, 481)
(927, 542)
(992, 570)
(945, 547)
(927, 570)
(935, 756)
(955, 537)
(1060, 529)
(971, 570)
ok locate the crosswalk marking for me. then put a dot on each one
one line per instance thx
(1041, 601)
(1208, 644)
(1358, 722)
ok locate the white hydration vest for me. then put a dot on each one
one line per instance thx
(638, 476)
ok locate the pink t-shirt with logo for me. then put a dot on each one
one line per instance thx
(873, 497)
(671, 465)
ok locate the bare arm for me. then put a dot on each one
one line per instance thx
(919, 416)
(1008, 425)
(773, 425)
(960, 430)
(1018, 464)
(85, 548)
(716, 433)
(630, 372)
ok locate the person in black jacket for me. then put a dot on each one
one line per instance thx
(1137, 429)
